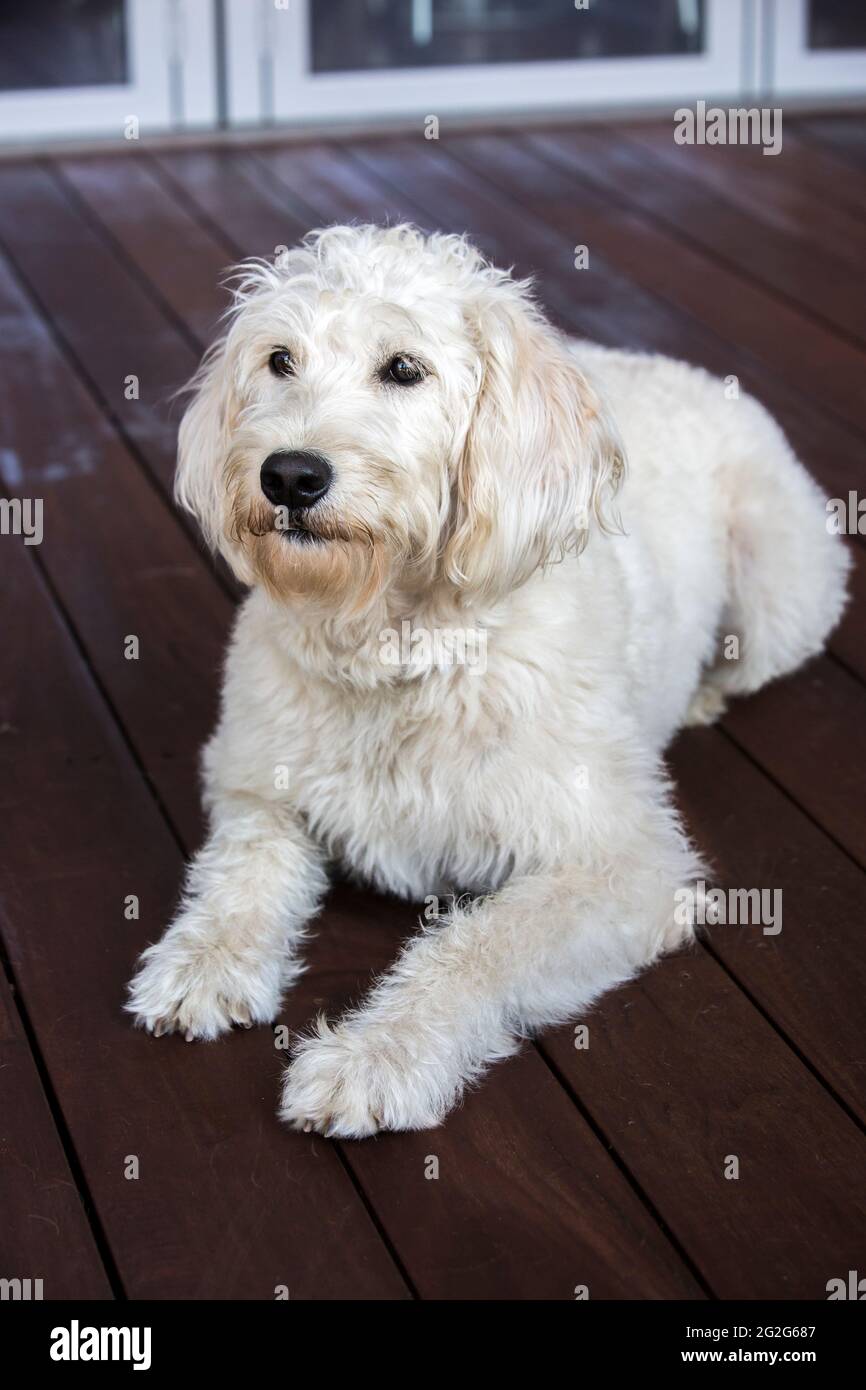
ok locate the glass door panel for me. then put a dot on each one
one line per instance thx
(320, 59)
(84, 67)
(818, 47)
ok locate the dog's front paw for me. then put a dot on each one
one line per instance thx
(352, 1080)
(193, 982)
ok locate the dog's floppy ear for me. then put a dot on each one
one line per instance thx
(203, 443)
(541, 462)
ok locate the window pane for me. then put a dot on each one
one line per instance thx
(61, 43)
(349, 35)
(837, 24)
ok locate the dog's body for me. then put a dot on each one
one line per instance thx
(535, 781)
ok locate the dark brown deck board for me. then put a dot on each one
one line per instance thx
(61, 271)
(230, 194)
(811, 977)
(140, 577)
(809, 196)
(821, 713)
(675, 1114)
(849, 643)
(844, 135)
(528, 1203)
(723, 197)
(45, 1233)
(157, 234)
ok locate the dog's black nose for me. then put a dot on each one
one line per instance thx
(295, 481)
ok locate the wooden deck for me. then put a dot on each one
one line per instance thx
(602, 1167)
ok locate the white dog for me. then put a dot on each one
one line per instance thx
(391, 433)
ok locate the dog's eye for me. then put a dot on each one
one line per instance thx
(403, 371)
(280, 362)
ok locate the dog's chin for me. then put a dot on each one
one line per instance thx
(338, 570)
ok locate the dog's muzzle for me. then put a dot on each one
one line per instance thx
(296, 481)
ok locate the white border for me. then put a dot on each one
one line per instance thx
(798, 70)
(158, 33)
(269, 49)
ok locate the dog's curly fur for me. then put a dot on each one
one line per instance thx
(491, 495)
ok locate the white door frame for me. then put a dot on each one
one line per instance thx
(171, 58)
(268, 45)
(793, 69)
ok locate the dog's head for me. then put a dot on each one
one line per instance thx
(388, 409)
